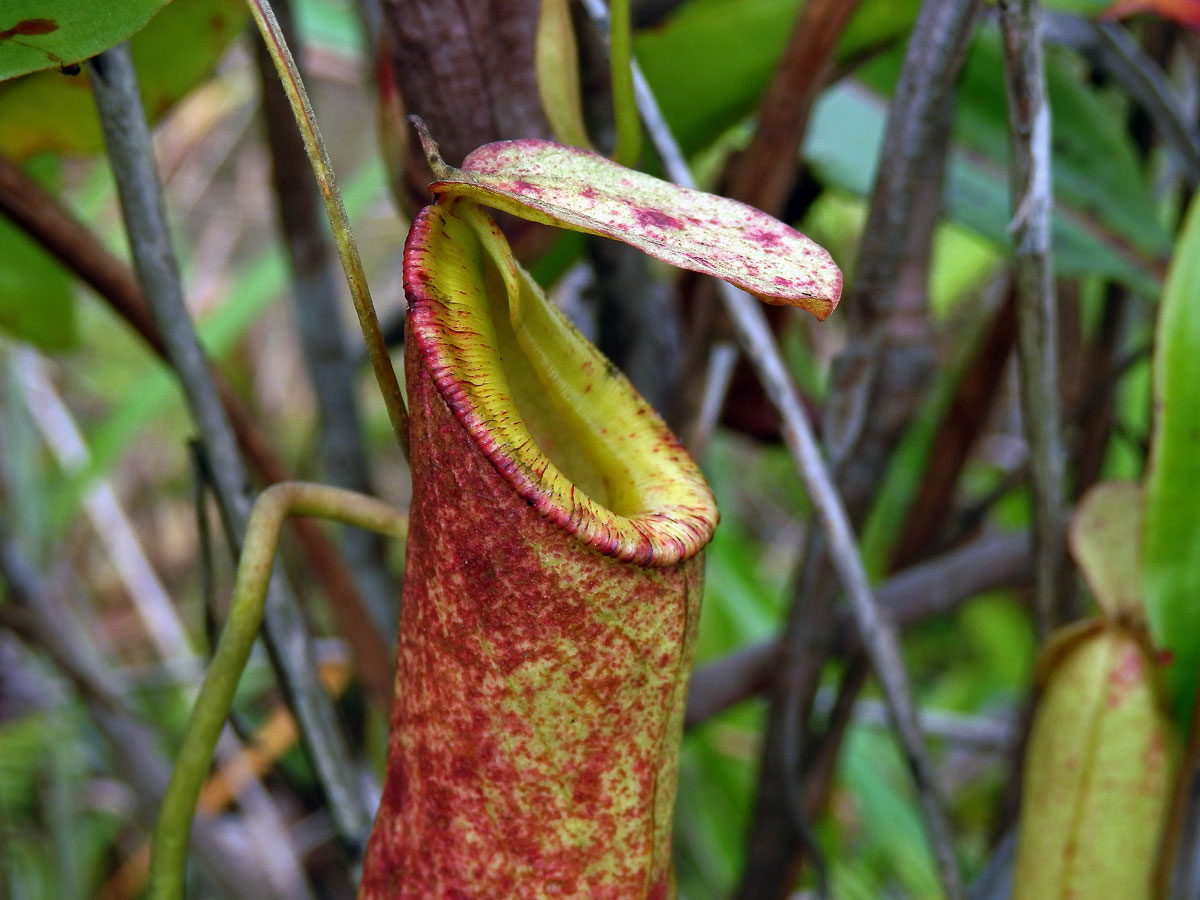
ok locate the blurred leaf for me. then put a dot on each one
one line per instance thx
(558, 74)
(1171, 552)
(740, 606)
(1125, 460)
(703, 92)
(49, 111)
(1079, 7)
(1106, 542)
(37, 302)
(46, 34)
(24, 743)
(715, 799)
(891, 839)
(744, 600)
(999, 638)
(843, 146)
(331, 24)
(710, 63)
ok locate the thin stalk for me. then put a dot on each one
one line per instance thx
(127, 139)
(330, 364)
(274, 505)
(625, 110)
(339, 222)
(878, 633)
(1037, 313)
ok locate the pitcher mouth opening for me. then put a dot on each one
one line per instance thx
(556, 419)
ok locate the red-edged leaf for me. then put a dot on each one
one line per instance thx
(583, 191)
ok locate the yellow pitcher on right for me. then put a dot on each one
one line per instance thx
(1101, 762)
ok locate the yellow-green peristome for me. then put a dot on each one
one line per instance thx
(566, 428)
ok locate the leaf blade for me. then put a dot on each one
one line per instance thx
(1171, 549)
(583, 191)
(46, 34)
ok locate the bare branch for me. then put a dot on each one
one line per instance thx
(1037, 313)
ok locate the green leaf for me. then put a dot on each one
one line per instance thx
(49, 111)
(1105, 222)
(37, 302)
(709, 64)
(843, 143)
(583, 191)
(703, 93)
(557, 63)
(46, 34)
(1171, 552)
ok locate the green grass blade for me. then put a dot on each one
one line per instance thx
(1171, 551)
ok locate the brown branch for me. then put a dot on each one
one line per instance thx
(765, 173)
(47, 221)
